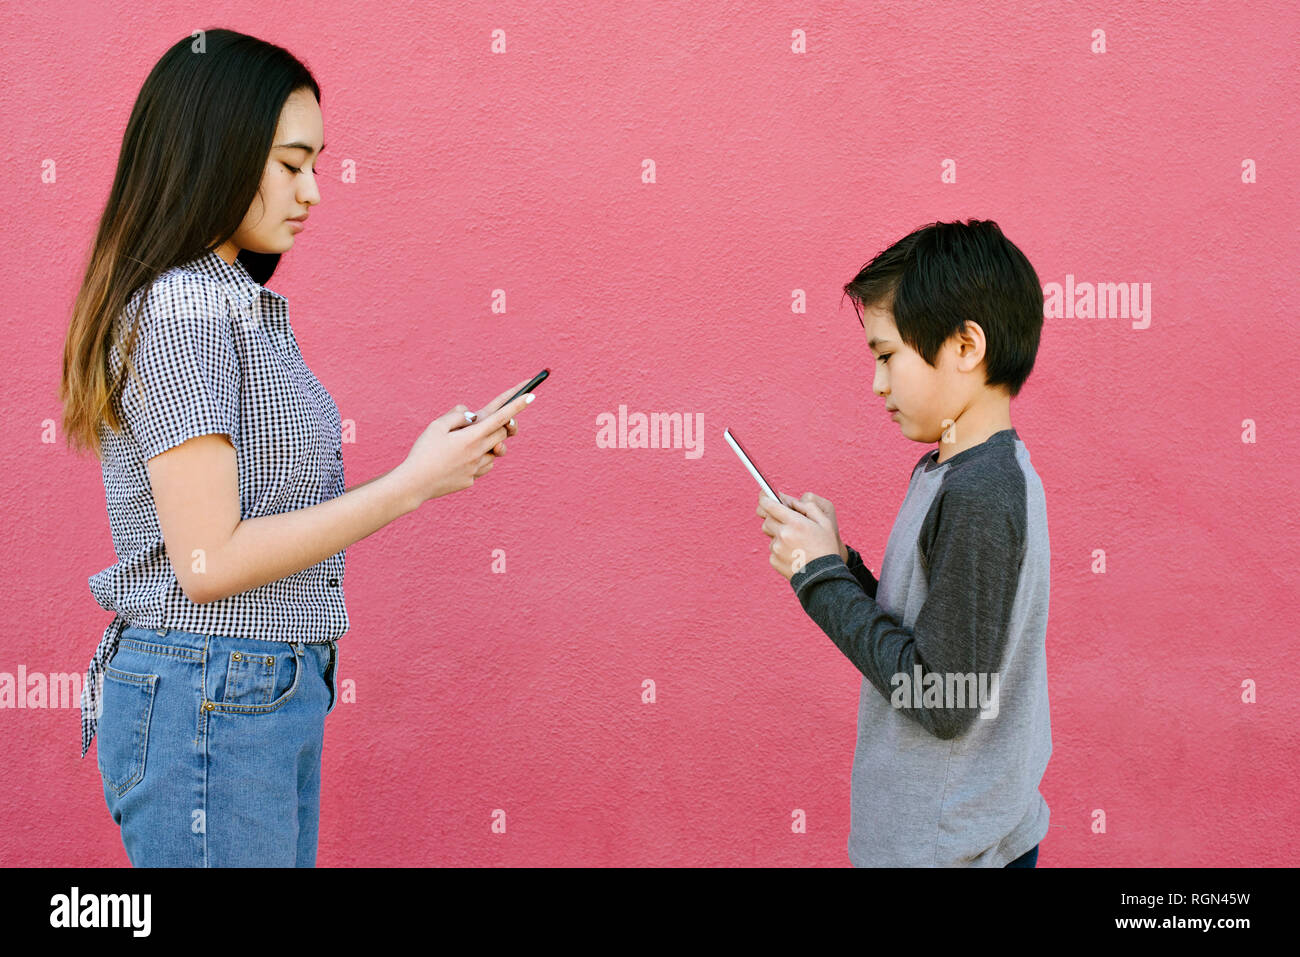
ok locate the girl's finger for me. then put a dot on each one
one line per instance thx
(489, 426)
(495, 404)
(456, 418)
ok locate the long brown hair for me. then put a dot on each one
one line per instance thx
(191, 164)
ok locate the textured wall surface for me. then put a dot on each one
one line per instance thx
(1153, 145)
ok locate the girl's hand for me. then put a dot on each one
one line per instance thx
(451, 453)
(511, 429)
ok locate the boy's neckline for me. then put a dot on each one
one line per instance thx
(1003, 436)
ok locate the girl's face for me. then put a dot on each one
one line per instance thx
(288, 187)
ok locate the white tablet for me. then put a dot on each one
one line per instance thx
(758, 477)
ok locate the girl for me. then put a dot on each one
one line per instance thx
(222, 467)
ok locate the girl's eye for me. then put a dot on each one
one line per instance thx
(291, 169)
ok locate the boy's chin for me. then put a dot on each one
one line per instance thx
(920, 434)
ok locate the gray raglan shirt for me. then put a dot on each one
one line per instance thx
(961, 603)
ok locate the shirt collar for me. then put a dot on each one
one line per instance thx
(233, 275)
(236, 279)
(1007, 436)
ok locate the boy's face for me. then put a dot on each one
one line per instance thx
(923, 395)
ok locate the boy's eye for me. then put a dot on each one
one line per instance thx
(884, 357)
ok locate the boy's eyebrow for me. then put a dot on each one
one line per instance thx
(872, 343)
(298, 146)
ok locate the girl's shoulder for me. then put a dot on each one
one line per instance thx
(181, 295)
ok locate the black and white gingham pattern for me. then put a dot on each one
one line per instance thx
(216, 353)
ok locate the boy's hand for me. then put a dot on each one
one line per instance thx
(798, 536)
(829, 509)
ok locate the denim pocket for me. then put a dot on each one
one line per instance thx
(123, 732)
(257, 682)
(250, 679)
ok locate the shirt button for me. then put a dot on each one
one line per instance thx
(338, 453)
(334, 583)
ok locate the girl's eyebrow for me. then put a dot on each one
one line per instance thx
(299, 146)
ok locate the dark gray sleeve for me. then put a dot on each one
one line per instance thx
(861, 572)
(971, 545)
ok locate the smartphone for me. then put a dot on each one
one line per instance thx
(536, 381)
(753, 470)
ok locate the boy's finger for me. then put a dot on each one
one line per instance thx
(814, 512)
(775, 509)
(823, 503)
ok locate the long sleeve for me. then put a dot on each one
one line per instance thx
(971, 546)
(861, 572)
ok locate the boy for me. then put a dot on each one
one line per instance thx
(953, 727)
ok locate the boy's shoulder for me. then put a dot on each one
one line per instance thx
(982, 493)
(985, 468)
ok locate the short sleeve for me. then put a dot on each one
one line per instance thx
(185, 358)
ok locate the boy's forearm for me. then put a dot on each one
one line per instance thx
(266, 549)
(861, 572)
(879, 646)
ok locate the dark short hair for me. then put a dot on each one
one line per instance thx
(939, 277)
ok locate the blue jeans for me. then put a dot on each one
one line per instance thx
(1027, 859)
(209, 748)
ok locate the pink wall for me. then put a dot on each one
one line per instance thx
(775, 171)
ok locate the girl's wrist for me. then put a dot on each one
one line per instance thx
(406, 490)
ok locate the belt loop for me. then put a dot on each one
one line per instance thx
(298, 648)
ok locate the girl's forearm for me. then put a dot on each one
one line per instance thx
(266, 549)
